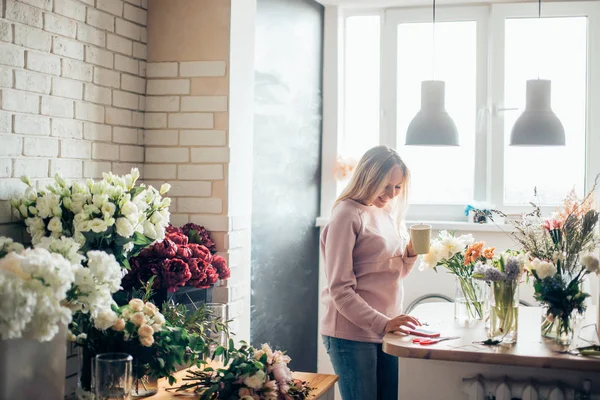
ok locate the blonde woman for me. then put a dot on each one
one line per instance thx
(363, 248)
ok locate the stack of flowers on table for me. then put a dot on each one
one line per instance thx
(560, 252)
(248, 374)
(458, 255)
(184, 258)
(503, 273)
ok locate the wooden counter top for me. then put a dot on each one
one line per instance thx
(321, 383)
(531, 349)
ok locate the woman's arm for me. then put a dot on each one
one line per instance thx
(339, 243)
(408, 260)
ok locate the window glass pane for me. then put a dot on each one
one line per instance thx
(439, 174)
(555, 49)
(361, 88)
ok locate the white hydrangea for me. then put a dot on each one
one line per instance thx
(7, 245)
(543, 269)
(64, 246)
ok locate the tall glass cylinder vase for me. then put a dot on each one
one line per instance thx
(549, 325)
(469, 299)
(503, 311)
(565, 328)
(217, 337)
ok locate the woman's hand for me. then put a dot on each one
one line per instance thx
(410, 250)
(402, 320)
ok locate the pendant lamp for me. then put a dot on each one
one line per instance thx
(538, 125)
(432, 126)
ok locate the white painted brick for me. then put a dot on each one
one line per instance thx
(91, 35)
(162, 103)
(105, 151)
(67, 128)
(100, 20)
(67, 48)
(107, 77)
(20, 101)
(88, 2)
(5, 172)
(161, 70)
(75, 149)
(213, 223)
(89, 112)
(125, 135)
(210, 155)
(70, 169)
(76, 70)
(194, 205)
(71, 9)
(11, 145)
(98, 94)
(67, 88)
(5, 31)
(142, 68)
(133, 84)
(33, 38)
(204, 103)
(202, 68)
(155, 120)
(119, 44)
(140, 51)
(122, 168)
(131, 153)
(44, 4)
(179, 219)
(145, 4)
(23, 13)
(186, 188)
(125, 100)
(135, 14)
(117, 116)
(144, 35)
(32, 125)
(45, 63)
(97, 132)
(6, 122)
(94, 169)
(40, 147)
(203, 138)
(160, 171)
(10, 188)
(135, 2)
(112, 6)
(138, 119)
(31, 167)
(98, 56)
(127, 29)
(167, 155)
(32, 82)
(140, 138)
(160, 138)
(203, 172)
(142, 106)
(60, 25)
(12, 55)
(191, 120)
(126, 64)
(168, 86)
(6, 77)
(57, 107)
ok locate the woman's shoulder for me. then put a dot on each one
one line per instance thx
(347, 209)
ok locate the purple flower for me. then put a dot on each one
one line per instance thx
(494, 275)
(512, 269)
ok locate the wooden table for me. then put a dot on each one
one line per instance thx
(531, 349)
(323, 385)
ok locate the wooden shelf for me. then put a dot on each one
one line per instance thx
(531, 349)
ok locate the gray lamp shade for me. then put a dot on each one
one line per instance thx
(538, 125)
(432, 126)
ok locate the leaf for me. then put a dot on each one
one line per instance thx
(136, 191)
(125, 264)
(140, 239)
(220, 350)
(161, 362)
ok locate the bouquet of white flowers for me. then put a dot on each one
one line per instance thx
(113, 214)
(41, 288)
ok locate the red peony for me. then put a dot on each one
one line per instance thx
(212, 276)
(173, 229)
(178, 238)
(174, 273)
(198, 234)
(197, 269)
(199, 251)
(221, 266)
(184, 252)
(165, 249)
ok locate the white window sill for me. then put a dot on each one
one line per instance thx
(461, 226)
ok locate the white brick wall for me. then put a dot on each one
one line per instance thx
(71, 79)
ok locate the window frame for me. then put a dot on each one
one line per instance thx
(489, 142)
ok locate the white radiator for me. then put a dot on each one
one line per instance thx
(506, 388)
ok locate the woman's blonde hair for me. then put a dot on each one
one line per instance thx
(370, 178)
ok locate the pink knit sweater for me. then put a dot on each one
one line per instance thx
(364, 264)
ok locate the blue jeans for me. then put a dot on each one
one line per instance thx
(365, 371)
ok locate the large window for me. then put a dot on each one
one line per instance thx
(484, 55)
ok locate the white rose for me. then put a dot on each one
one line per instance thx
(138, 319)
(150, 309)
(591, 263)
(145, 331)
(108, 209)
(159, 318)
(543, 269)
(149, 230)
(97, 225)
(119, 325)
(124, 227)
(55, 225)
(130, 210)
(105, 319)
(136, 305)
(255, 381)
(147, 341)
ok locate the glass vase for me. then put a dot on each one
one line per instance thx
(503, 311)
(216, 338)
(144, 387)
(565, 327)
(469, 299)
(549, 325)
